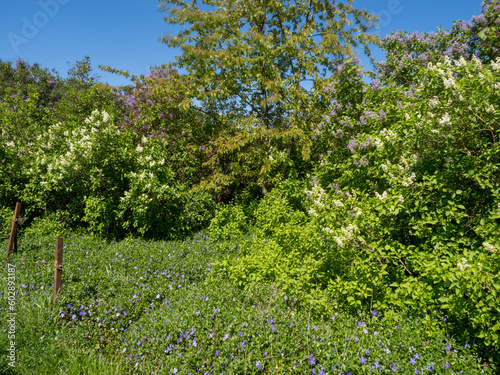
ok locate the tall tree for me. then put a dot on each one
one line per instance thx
(263, 66)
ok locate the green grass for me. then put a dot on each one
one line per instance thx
(143, 307)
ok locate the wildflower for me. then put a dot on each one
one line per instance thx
(463, 265)
(105, 116)
(413, 361)
(338, 203)
(312, 361)
(376, 365)
(448, 348)
(496, 64)
(374, 313)
(447, 365)
(217, 352)
(445, 120)
(448, 82)
(433, 102)
(362, 360)
(490, 109)
(489, 247)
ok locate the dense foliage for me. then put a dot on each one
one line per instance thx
(359, 196)
(247, 62)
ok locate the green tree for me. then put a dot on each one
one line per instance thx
(260, 70)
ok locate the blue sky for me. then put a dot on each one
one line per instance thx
(125, 34)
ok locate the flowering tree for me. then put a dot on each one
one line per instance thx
(247, 62)
(408, 52)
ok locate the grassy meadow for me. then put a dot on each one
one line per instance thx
(153, 307)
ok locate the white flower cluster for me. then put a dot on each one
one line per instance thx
(490, 247)
(449, 82)
(338, 203)
(490, 109)
(445, 120)
(317, 195)
(476, 61)
(433, 102)
(65, 149)
(463, 266)
(388, 135)
(445, 73)
(311, 211)
(401, 172)
(461, 62)
(348, 235)
(93, 116)
(378, 142)
(356, 212)
(381, 197)
(496, 64)
(327, 230)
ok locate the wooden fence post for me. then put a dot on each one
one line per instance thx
(58, 267)
(13, 231)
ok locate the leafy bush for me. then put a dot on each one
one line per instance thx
(49, 225)
(229, 220)
(6, 215)
(404, 209)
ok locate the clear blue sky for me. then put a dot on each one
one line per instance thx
(124, 34)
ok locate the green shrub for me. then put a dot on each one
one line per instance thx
(48, 225)
(229, 220)
(6, 215)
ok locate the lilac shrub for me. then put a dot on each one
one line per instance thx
(410, 206)
(407, 52)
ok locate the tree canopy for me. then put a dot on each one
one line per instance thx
(248, 62)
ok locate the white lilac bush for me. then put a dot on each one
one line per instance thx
(77, 169)
(404, 206)
(413, 196)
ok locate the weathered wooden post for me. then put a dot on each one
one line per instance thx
(58, 267)
(13, 231)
